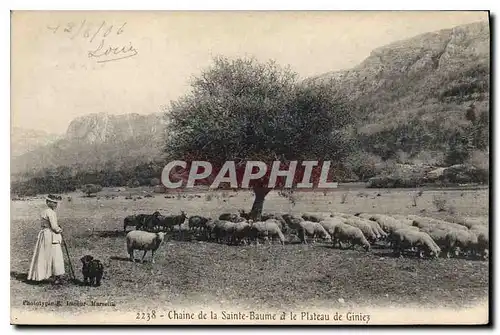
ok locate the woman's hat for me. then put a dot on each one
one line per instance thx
(53, 198)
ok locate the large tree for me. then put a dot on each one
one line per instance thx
(242, 110)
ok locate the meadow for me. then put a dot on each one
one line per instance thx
(206, 273)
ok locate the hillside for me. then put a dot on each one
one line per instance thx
(413, 94)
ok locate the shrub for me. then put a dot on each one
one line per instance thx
(154, 181)
(365, 165)
(132, 183)
(90, 189)
(439, 202)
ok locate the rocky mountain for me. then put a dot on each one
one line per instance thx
(449, 67)
(102, 127)
(412, 95)
(94, 140)
(24, 140)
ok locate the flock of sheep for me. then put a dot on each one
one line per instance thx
(404, 234)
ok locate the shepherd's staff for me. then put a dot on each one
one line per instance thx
(72, 272)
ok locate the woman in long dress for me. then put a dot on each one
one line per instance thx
(47, 260)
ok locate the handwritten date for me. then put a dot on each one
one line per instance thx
(104, 51)
(86, 30)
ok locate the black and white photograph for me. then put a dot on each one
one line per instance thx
(250, 168)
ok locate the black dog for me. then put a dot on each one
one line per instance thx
(92, 270)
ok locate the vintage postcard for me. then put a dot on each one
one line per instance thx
(256, 168)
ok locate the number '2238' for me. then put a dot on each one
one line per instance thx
(146, 316)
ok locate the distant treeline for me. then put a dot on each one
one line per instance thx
(63, 179)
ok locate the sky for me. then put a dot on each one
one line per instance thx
(66, 64)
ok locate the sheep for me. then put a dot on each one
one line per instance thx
(470, 221)
(181, 230)
(168, 222)
(483, 241)
(352, 235)
(141, 240)
(403, 219)
(408, 239)
(393, 235)
(293, 222)
(376, 228)
(461, 241)
(130, 220)
(421, 222)
(210, 228)
(439, 237)
(279, 218)
(147, 222)
(367, 230)
(314, 229)
(315, 217)
(367, 216)
(387, 223)
(344, 215)
(223, 230)
(330, 224)
(198, 223)
(265, 230)
(241, 231)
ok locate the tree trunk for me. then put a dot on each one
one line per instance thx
(258, 203)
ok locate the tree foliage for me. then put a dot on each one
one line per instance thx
(245, 110)
(241, 110)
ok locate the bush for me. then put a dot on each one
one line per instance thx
(154, 182)
(402, 176)
(133, 183)
(365, 165)
(90, 189)
(439, 202)
(465, 173)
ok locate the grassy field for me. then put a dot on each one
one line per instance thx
(203, 273)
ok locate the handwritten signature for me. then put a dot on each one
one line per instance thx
(102, 53)
(111, 51)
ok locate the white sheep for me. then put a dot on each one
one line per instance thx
(461, 241)
(265, 230)
(469, 222)
(352, 235)
(314, 230)
(366, 228)
(142, 240)
(483, 240)
(330, 224)
(408, 239)
(404, 219)
(387, 223)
